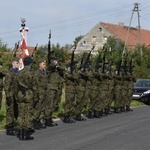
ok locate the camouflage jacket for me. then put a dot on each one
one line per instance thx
(10, 83)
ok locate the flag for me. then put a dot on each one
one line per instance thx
(24, 51)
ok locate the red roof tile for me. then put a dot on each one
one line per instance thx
(120, 32)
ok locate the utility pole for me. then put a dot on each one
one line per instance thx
(135, 9)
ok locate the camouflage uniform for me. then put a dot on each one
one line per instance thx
(117, 93)
(93, 107)
(54, 88)
(70, 93)
(125, 89)
(131, 80)
(105, 92)
(81, 101)
(27, 86)
(110, 94)
(39, 101)
(10, 87)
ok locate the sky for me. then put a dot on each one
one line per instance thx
(67, 19)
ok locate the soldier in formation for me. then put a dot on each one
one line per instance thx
(37, 95)
(10, 86)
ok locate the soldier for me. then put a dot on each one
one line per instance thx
(131, 80)
(1, 84)
(70, 92)
(52, 101)
(39, 105)
(117, 93)
(27, 85)
(10, 86)
(81, 101)
(99, 81)
(125, 89)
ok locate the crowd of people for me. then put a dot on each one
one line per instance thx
(32, 96)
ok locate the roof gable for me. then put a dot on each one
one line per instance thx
(120, 32)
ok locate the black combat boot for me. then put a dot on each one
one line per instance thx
(110, 112)
(52, 122)
(28, 135)
(36, 125)
(128, 108)
(80, 118)
(68, 119)
(106, 111)
(20, 134)
(116, 110)
(48, 123)
(41, 124)
(90, 114)
(10, 130)
(101, 113)
(96, 114)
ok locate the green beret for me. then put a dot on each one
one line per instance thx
(28, 59)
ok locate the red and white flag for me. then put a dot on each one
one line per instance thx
(24, 51)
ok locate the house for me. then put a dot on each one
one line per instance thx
(100, 32)
(30, 49)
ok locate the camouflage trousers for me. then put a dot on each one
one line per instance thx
(81, 101)
(124, 96)
(25, 115)
(51, 96)
(69, 104)
(118, 96)
(129, 96)
(59, 94)
(39, 109)
(10, 120)
(93, 98)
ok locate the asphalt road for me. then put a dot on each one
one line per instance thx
(126, 131)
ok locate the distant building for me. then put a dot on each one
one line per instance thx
(30, 49)
(100, 32)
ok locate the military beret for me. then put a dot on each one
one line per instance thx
(1, 63)
(28, 59)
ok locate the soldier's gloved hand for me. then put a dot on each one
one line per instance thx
(9, 101)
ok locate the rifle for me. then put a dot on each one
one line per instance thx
(16, 48)
(103, 63)
(35, 48)
(125, 66)
(131, 67)
(49, 49)
(87, 59)
(81, 62)
(72, 60)
(97, 65)
(119, 66)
